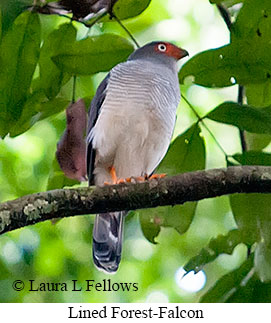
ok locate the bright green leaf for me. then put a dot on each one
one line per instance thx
(94, 54)
(217, 246)
(19, 53)
(124, 9)
(51, 78)
(244, 117)
(185, 154)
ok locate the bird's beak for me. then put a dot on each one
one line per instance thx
(182, 53)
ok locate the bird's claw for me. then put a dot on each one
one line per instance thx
(132, 179)
(157, 176)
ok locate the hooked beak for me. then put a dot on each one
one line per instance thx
(182, 53)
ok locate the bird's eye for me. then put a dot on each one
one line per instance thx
(162, 47)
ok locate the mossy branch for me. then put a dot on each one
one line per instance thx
(187, 187)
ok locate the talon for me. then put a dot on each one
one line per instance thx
(134, 179)
(121, 181)
(140, 179)
(157, 176)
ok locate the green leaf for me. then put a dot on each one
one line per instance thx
(244, 117)
(259, 95)
(257, 141)
(227, 65)
(10, 10)
(246, 209)
(263, 258)
(246, 60)
(252, 213)
(230, 284)
(150, 223)
(1, 25)
(253, 158)
(185, 154)
(124, 9)
(19, 53)
(51, 78)
(217, 246)
(249, 209)
(36, 108)
(94, 54)
(253, 291)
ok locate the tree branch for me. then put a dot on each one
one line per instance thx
(173, 190)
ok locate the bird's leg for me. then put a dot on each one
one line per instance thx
(114, 177)
(131, 179)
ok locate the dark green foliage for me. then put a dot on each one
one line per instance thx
(19, 53)
(93, 54)
(244, 117)
(246, 60)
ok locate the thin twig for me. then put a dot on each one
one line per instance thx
(241, 132)
(200, 119)
(95, 20)
(126, 30)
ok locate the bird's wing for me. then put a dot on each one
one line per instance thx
(93, 114)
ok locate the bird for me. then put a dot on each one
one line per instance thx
(130, 125)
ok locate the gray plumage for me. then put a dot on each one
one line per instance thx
(131, 122)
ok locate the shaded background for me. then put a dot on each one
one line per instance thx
(62, 252)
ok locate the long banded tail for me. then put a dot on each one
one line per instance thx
(107, 240)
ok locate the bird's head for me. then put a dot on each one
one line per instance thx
(161, 50)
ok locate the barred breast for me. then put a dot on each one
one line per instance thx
(136, 122)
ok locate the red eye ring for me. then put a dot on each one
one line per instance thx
(162, 47)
